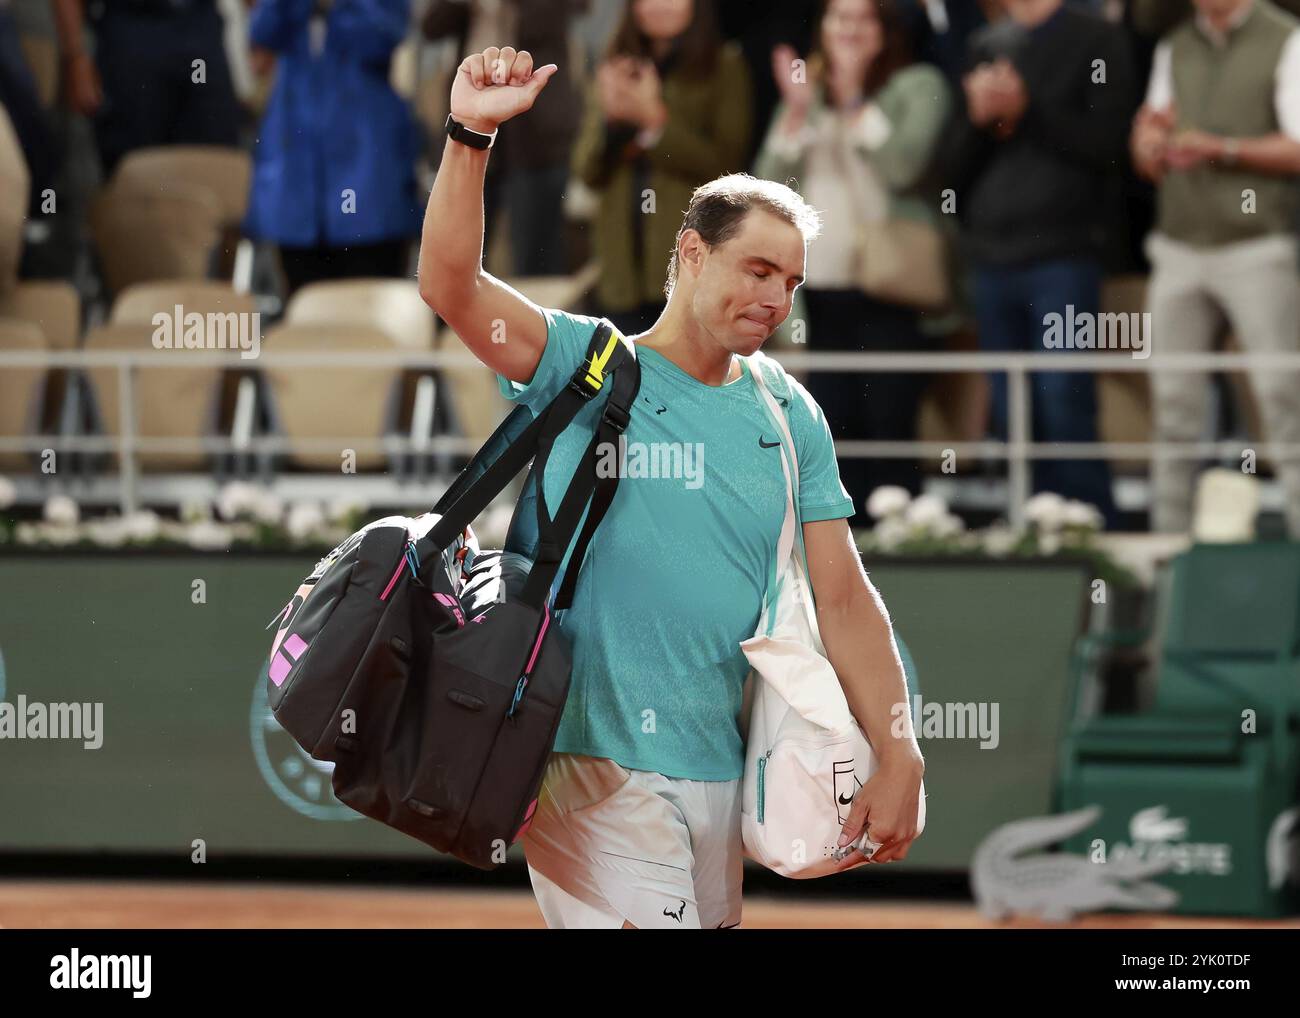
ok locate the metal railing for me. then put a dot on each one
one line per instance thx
(1018, 449)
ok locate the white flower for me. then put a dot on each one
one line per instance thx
(1081, 514)
(236, 499)
(208, 535)
(947, 525)
(304, 520)
(60, 533)
(1000, 540)
(27, 533)
(344, 507)
(268, 507)
(1046, 510)
(142, 525)
(890, 532)
(107, 532)
(61, 509)
(1049, 543)
(8, 493)
(926, 511)
(195, 510)
(887, 500)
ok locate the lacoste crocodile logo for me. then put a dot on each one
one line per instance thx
(1058, 886)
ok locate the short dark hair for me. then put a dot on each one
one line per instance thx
(718, 208)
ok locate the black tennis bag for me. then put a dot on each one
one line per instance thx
(428, 670)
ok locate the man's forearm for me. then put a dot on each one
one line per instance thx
(1270, 153)
(860, 645)
(68, 25)
(451, 246)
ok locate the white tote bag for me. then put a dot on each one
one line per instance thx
(806, 757)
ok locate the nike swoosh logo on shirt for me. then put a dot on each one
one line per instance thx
(767, 445)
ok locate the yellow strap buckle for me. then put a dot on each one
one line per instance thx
(595, 376)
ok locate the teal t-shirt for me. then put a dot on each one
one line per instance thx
(675, 576)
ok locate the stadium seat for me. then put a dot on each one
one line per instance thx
(21, 390)
(52, 304)
(226, 172)
(393, 306)
(164, 234)
(343, 403)
(179, 402)
(1209, 777)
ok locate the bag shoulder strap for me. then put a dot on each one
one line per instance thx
(554, 535)
(770, 379)
(510, 448)
(774, 377)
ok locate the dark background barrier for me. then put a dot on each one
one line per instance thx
(191, 752)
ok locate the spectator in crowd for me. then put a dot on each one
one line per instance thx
(530, 170)
(164, 76)
(1160, 17)
(1220, 134)
(670, 109)
(940, 31)
(334, 170)
(539, 145)
(1047, 101)
(758, 27)
(856, 134)
(19, 98)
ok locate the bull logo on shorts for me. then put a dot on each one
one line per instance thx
(678, 912)
(845, 787)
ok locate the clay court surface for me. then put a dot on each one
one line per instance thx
(62, 904)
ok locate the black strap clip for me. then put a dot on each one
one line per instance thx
(617, 417)
(579, 384)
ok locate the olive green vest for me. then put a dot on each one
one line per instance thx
(1228, 90)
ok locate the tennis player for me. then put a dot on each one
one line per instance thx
(638, 823)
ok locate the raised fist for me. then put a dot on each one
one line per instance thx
(495, 85)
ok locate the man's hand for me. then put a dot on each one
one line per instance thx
(1149, 141)
(1009, 96)
(996, 97)
(887, 805)
(1191, 148)
(978, 85)
(495, 85)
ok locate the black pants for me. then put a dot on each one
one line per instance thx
(867, 407)
(19, 97)
(303, 265)
(146, 63)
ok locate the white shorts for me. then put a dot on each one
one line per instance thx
(608, 844)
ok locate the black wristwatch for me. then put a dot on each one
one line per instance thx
(457, 131)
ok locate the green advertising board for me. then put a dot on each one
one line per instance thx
(172, 645)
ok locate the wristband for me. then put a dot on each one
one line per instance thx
(457, 131)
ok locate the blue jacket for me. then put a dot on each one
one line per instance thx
(335, 158)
